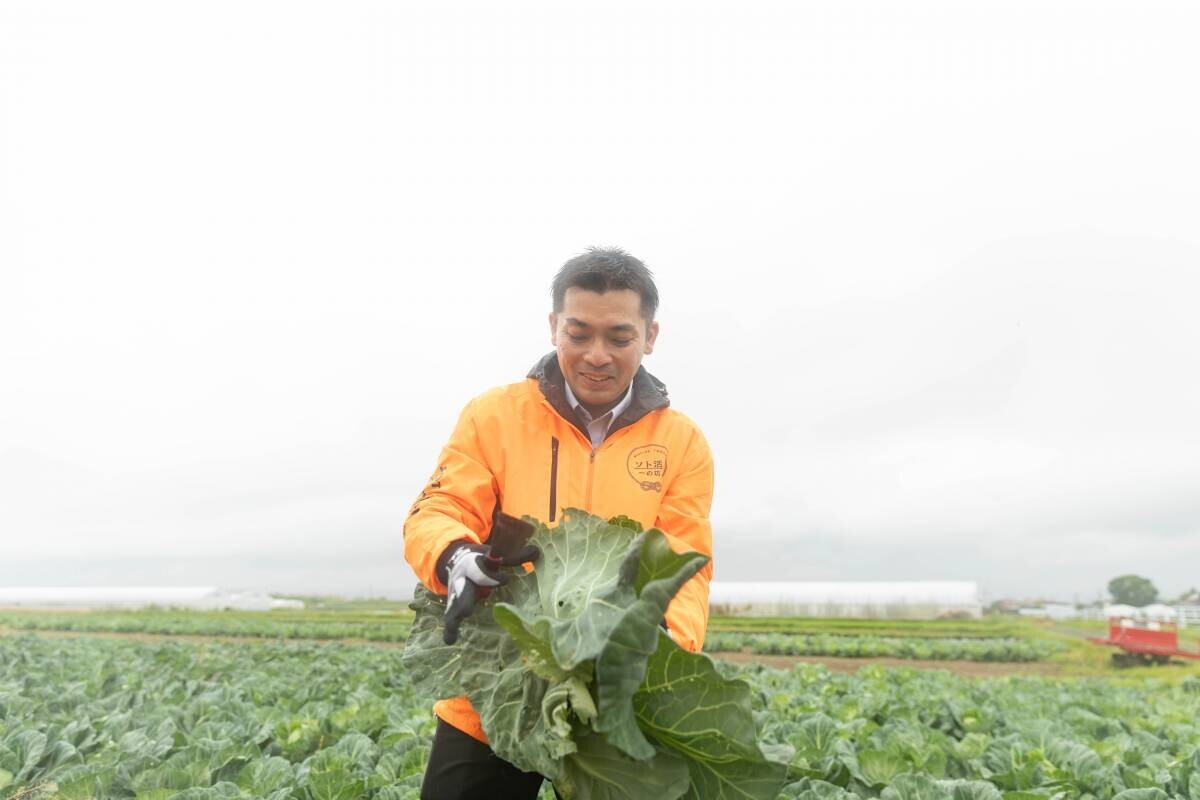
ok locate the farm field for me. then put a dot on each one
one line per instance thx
(88, 717)
(984, 628)
(396, 614)
(842, 644)
(1007, 649)
(987, 639)
(379, 626)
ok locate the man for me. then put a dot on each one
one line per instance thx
(588, 428)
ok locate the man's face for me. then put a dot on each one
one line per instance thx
(601, 339)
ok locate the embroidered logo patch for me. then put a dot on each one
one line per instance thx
(647, 465)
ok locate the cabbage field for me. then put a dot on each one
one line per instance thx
(103, 718)
(576, 676)
(1008, 649)
(267, 625)
(395, 628)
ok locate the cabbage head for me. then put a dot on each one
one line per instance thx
(573, 677)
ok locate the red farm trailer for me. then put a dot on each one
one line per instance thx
(1143, 642)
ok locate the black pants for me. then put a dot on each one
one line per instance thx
(463, 768)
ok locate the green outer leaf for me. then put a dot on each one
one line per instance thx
(878, 767)
(487, 666)
(218, 791)
(265, 775)
(511, 713)
(155, 794)
(621, 667)
(811, 789)
(972, 790)
(915, 787)
(626, 522)
(687, 707)
(580, 640)
(577, 618)
(28, 746)
(532, 635)
(1077, 760)
(475, 660)
(659, 562)
(816, 738)
(601, 772)
(581, 560)
(362, 752)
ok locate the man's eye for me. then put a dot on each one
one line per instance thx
(577, 338)
(621, 342)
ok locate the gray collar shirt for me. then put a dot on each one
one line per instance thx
(598, 428)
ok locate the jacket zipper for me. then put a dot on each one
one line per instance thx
(553, 475)
(587, 503)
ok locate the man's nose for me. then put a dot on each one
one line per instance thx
(597, 355)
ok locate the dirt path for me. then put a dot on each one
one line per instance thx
(969, 669)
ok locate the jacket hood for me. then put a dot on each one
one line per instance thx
(649, 393)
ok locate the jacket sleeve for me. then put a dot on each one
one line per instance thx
(456, 504)
(683, 517)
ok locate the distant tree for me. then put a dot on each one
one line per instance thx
(1190, 596)
(1132, 590)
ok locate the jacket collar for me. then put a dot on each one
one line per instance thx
(649, 394)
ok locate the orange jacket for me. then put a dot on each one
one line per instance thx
(523, 447)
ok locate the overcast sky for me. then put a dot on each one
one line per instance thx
(930, 276)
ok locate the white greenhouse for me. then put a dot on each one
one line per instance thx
(880, 600)
(1159, 612)
(190, 597)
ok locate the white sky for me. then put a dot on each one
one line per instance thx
(929, 274)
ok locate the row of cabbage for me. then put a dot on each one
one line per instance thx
(395, 628)
(102, 718)
(209, 624)
(990, 627)
(996, 649)
(905, 734)
(151, 721)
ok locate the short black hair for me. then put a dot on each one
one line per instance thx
(601, 269)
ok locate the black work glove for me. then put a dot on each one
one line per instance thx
(470, 572)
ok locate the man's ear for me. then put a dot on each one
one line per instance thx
(651, 337)
(554, 329)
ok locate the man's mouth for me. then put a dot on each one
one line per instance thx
(595, 380)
